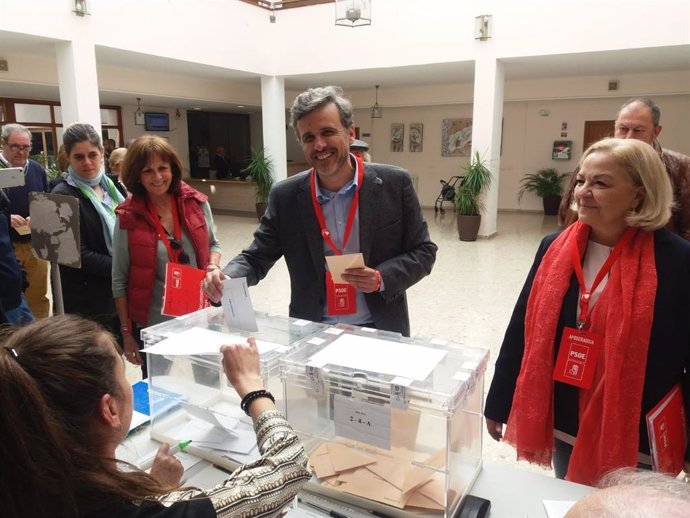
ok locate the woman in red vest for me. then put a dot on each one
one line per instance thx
(165, 220)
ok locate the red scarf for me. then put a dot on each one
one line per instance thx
(609, 412)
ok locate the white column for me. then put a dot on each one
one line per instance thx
(487, 115)
(273, 115)
(78, 81)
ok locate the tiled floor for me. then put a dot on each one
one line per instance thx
(468, 297)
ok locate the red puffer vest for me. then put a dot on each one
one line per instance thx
(142, 237)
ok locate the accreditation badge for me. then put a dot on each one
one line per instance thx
(577, 357)
(341, 298)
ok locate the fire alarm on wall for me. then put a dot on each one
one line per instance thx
(613, 85)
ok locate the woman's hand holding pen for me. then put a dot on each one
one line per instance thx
(166, 468)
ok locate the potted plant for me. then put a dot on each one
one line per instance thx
(259, 168)
(547, 184)
(468, 199)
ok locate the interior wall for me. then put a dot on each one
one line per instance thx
(528, 138)
(177, 136)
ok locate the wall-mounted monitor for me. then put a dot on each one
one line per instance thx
(156, 121)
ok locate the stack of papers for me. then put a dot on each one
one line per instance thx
(388, 477)
(226, 435)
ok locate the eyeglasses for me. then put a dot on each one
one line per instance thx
(18, 147)
(182, 257)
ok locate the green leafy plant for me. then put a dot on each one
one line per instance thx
(544, 183)
(477, 179)
(259, 168)
(48, 162)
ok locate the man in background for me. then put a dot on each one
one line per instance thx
(16, 147)
(221, 164)
(640, 118)
(341, 206)
(108, 147)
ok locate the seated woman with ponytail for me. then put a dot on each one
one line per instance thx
(87, 290)
(65, 406)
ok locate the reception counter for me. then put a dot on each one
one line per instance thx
(229, 196)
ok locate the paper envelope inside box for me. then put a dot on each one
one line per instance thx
(389, 477)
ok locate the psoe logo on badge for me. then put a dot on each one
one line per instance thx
(578, 352)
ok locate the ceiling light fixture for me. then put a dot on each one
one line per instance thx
(80, 8)
(139, 117)
(353, 13)
(483, 27)
(376, 110)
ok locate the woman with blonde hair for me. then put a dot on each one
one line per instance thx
(600, 333)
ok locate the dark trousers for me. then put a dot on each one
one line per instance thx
(561, 458)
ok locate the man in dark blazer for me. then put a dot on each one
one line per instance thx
(307, 220)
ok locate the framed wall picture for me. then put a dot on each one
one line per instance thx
(562, 150)
(397, 135)
(416, 137)
(456, 137)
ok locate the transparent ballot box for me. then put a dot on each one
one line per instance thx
(190, 397)
(392, 425)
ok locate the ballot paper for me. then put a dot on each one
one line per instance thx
(198, 340)
(381, 356)
(337, 264)
(205, 435)
(557, 508)
(384, 476)
(216, 419)
(237, 305)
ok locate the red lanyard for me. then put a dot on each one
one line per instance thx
(174, 257)
(585, 294)
(325, 233)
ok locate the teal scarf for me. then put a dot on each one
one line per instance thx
(105, 211)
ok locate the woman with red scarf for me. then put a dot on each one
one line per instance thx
(601, 330)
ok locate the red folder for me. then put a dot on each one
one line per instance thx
(667, 433)
(182, 293)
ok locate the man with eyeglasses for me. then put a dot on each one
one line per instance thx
(16, 148)
(639, 118)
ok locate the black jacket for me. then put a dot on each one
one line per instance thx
(88, 290)
(668, 358)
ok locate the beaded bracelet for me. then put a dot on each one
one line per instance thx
(251, 396)
(379, 280)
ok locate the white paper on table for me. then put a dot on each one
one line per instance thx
(244, 442)
(237, 305)
(337, 264)
(187, 459)
(557, 508)
(244, 458)
(138, 419)
(373, 354)
(207, 436)
(226, 422)
(198, 340)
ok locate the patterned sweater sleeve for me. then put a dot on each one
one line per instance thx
(261, 488)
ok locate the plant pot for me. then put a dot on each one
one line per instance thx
(468, 227)
(551, 204)
(260, 209)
